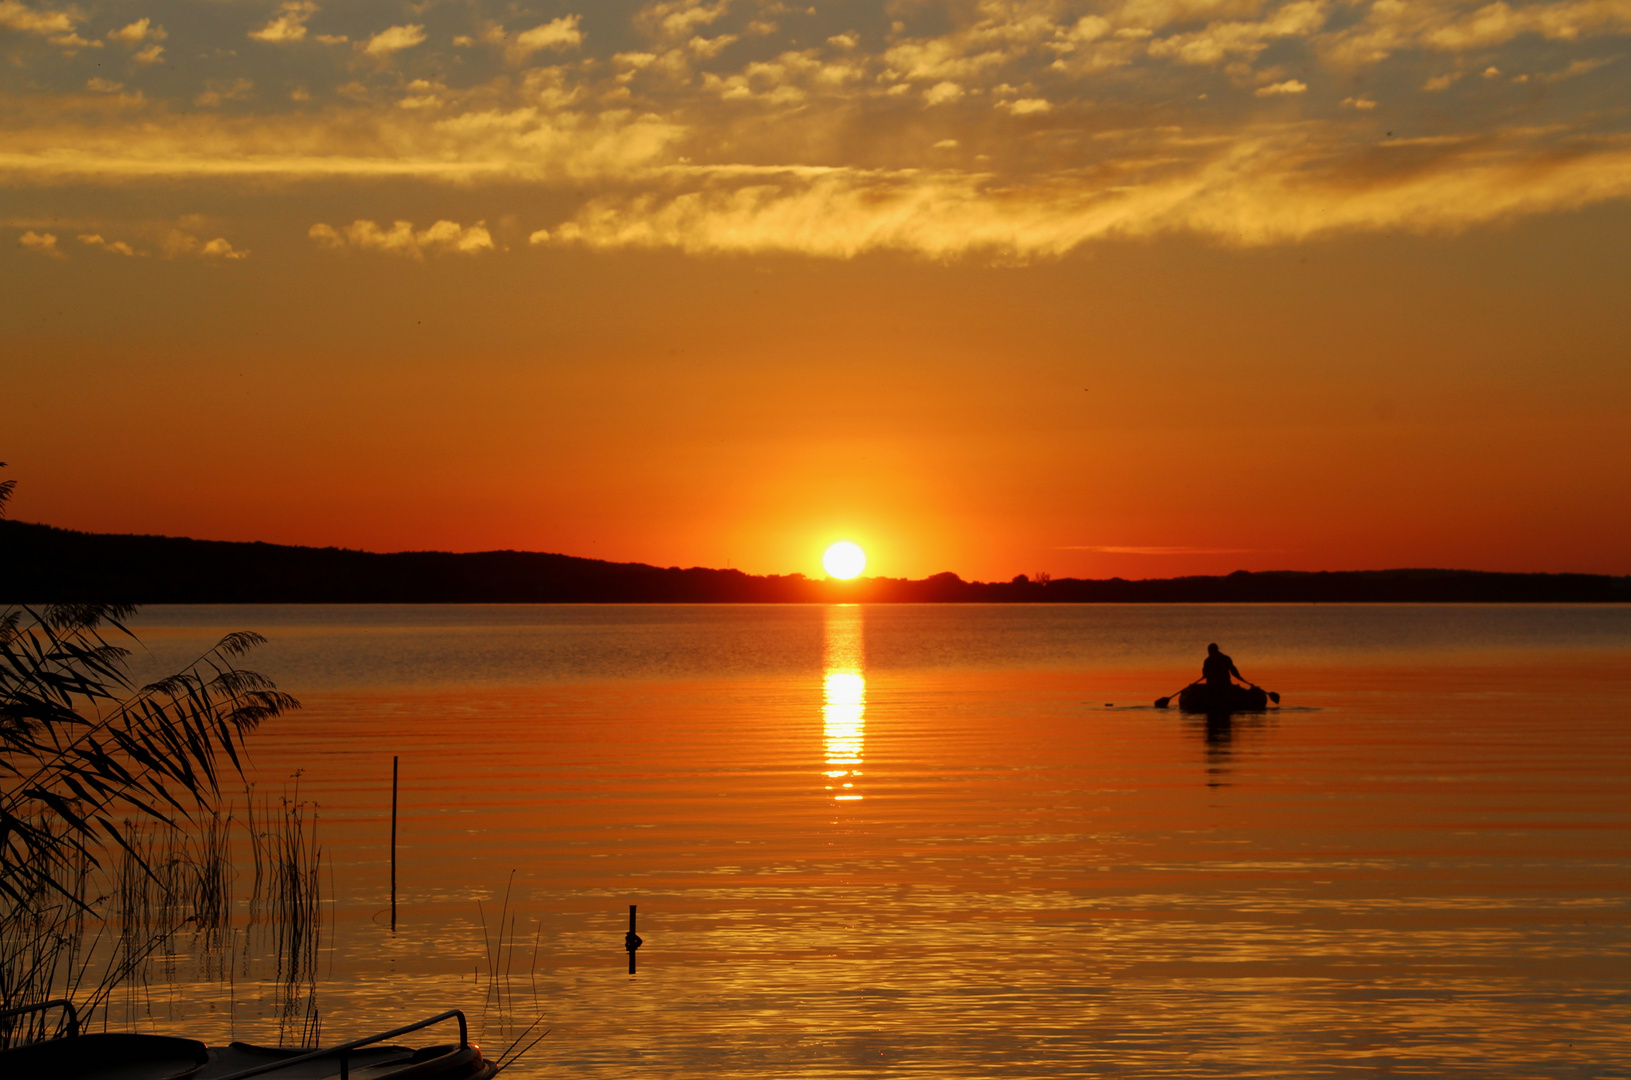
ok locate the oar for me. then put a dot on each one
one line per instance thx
(1163, 702)
(1272, 695)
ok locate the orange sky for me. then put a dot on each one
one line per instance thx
(1129, 288)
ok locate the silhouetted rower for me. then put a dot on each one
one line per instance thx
(1217, 667)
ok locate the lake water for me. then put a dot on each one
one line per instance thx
(957, 841)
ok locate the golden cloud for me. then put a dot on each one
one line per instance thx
(43, 243)
(555, 35)
(520, 143)
(1015, 130)
(1259, 191)
(16, 16)
(395, 39)
(113, 247)
(402, 239)
(138, 31)
(289, 24)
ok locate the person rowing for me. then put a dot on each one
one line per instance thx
(1217, 668)
(1216, 691)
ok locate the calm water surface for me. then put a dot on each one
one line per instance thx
(956, 841)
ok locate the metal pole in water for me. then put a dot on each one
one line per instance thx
(394, 762)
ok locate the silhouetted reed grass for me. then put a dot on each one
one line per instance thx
(257, 849)
(296, 913)
(212, 876)
(42, 950)
(499, 948)
(499, 945)
(122, 924)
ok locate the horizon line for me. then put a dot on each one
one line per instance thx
(827, 578)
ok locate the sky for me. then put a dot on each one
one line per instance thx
(1123, 287)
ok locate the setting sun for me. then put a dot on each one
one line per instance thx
(844, 560)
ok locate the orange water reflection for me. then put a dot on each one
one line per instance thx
(1425, 876)
(843, 704)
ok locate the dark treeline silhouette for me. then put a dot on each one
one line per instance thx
(47, 564)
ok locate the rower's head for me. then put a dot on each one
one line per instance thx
(1212, 649)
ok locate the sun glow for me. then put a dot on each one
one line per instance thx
(844, 560)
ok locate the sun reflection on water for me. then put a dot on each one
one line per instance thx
(843, 707)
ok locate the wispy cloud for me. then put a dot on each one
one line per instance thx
(557, 35)
(1110, 549)
(1254, 192)
(112, 247)
(526, 142)
(224, 90)
(395, 40)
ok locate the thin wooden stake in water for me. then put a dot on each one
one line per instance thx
(394, 762)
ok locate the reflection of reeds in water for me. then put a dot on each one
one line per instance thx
(167, 881)
(258, 847)
(286, 909)
(494, 948)
(212, 877)
(297, 915)
(139, 878)
(499, 952)
(161, 898)
(42, 950)
(162, 884)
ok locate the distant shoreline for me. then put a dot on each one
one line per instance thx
(45, 564)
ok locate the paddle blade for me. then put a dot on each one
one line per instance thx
(1162, 702)
(1274, 697)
